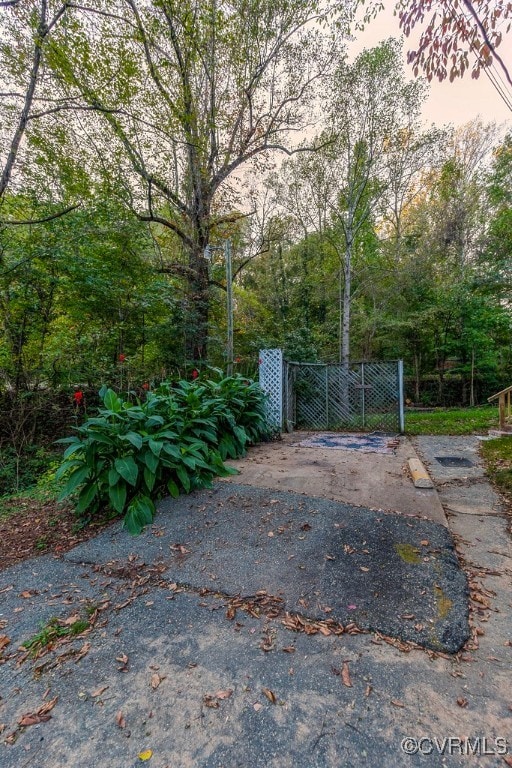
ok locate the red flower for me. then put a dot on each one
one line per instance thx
(145, 385)
(195, 374)
(260, 361)
(78, 397)
(238, 359)
(122, 358)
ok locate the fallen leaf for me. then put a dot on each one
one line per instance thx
(305, 527)
(123, 660)
(231, 613)
(345, 675)
(99, 691)
(180, 548)
(210, 701)
(462, 702)
(364, 569)
(120, 720)
(257, 706)
(224, 694)
(289, 649)
(48, 706)
(146, 755)
(156, 680)
(41, 716)
(508, 759)
(368, 690)
(397, 703)
(82, 652)
(270, 695)
(424, 542)
(33, 719)
(71, 620)
(270, 534)
(4, 641)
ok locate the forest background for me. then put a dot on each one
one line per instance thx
(139, 137)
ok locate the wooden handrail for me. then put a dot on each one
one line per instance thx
(504, 404)
(503, 392)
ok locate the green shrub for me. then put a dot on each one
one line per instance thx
(175, 441)
(21, 470)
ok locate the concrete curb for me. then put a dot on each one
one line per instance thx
(420, 476)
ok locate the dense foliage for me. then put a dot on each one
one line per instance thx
(137, 138)
(174, 441)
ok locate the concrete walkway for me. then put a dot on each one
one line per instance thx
(199, 678)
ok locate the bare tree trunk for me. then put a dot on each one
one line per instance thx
(43, 29)
(472, 388)
(345, 336)
(199, 301)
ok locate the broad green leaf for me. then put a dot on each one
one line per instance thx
(156, 447)
(66, 466)
(150, 460)
(113, 476)
(149, 478)
(112, 401)
(184, 478)
(117, 495)
(154, 421)
(140, 513)
(172, 450)
(99, 438)
(72, 449)
(75, 479)
(189, 461)
(87, 495)
(173, 489)
(68, 440)
(133, 438)
(128, 469)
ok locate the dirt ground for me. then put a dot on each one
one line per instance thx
(374, 480)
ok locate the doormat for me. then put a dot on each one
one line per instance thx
(374, 442)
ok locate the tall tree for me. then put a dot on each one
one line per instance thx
(26, 28)
(370, 103)
(172, 98)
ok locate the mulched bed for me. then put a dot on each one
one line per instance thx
(33, 528)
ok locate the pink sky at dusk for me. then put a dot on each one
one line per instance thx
(456, 102)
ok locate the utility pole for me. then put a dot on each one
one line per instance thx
(228, 264)
(229, 292)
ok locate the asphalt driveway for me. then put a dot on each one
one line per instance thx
(257, 627)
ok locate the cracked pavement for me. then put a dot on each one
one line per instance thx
(192, 655)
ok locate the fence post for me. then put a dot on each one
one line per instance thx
(363, 399)
(271, 382)
(401, 412)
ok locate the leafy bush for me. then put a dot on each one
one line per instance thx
(21, 470)
(175, 441)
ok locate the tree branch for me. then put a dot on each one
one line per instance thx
(29, 222)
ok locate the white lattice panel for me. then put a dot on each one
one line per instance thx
(271, 382)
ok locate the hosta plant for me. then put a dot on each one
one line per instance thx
(175, 441)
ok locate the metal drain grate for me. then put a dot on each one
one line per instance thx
(454, 461)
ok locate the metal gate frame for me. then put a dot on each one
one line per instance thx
(366, 396)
